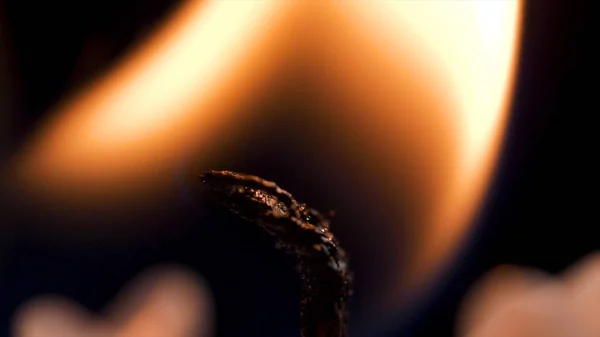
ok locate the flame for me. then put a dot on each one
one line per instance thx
(176, 90)
(475, 43)
(412, 76)
(159, 102)
(480, 58)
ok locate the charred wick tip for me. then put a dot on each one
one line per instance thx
(326, 281)
(205, 176)
(222, 176)
(210, 178)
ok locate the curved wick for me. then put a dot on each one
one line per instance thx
(303, 232)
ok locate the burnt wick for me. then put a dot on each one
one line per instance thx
(303, 232)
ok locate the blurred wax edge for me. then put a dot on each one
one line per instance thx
(170, 301)
(431, 95)
(163, 301)
(514, 301)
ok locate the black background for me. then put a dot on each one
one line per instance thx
(541, 210)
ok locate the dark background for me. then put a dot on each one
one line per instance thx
(541, 210)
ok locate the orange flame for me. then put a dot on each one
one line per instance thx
(165, 98)
(429, 90)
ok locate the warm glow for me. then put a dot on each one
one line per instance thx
(162, 100)
(190, 66)
(474, 43)
(420, 89)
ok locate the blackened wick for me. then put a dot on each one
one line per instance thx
(302, 231)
